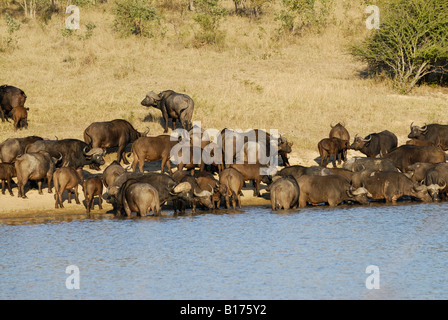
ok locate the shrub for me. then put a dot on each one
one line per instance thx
(411, 43)
(135, 17)
(208, 17)
(299, 15)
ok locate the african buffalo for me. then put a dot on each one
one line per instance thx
(109, 134)
(253, 173)
(435, 133)
(139, 197)
(66, 178)
(151, 149)
(111, 172)
(252, 146)
(7, 172)
(34, 166)
(365, 163)
(284, 193)
(417, 171)
(91, 187)
(332, 189)
(339, 131)
(391, 186)
(375, 144)
(175, 106)
(168, 188)
(207, 181)
(13, 147)
(332, 147)
(20, 117)
(436, 180)
(407, 154)
(231, 182)
(197, 195)
(10, 97)
(298, 170)
(75, 153)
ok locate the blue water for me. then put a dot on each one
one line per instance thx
(253, 253)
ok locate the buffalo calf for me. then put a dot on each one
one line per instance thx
(332, 147)
(20, 117)
(231, 182)
(92, 187)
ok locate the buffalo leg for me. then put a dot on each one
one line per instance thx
(3, 186)
(69, 194)
(99, 202)
(39, 186)
(9, 187)
(76, 196)
(165, 116)
(89, 203)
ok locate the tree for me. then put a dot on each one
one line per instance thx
(412, 42)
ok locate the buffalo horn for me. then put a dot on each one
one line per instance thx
(369, 138)
(203, 193)
(183, 186)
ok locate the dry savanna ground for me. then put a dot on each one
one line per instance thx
(257, 80)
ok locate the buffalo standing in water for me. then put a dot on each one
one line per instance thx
(176, 106)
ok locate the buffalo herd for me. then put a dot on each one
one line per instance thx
(415, 171)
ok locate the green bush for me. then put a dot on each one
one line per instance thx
(135, 17)
(208, 17)
(300, 15)
(411, 43)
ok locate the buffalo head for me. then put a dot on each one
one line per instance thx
(151, 100)
(416, 131)
(359, 142)
(96, 156)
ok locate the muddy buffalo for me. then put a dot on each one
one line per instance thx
(231, 182)
(34, 166)
(332, 189)
(92, 187)
(284, 193)
(66, 179)
(13, 147)
(391, 186)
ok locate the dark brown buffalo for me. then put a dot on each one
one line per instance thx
(13, 147)
(111, 172)
(417, 142)
(110, 134)
(332, 147)
(375, 144)
(406, 155)
(207, 181)
(7, 172)
(75, 153)
(417, 171)
(66, 179)
(20, 117)
(435, 133)
(284, 193)
(231, 182)
(92, 187)
(391, 186)
(436, 179)
(175, 106)
(197, 195)
(332, 189)
(339, 131)
(253, 172)
(167, 187)
(152, 149)
(10, 97)
(34, 166)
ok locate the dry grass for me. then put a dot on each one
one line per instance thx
(257, 80)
